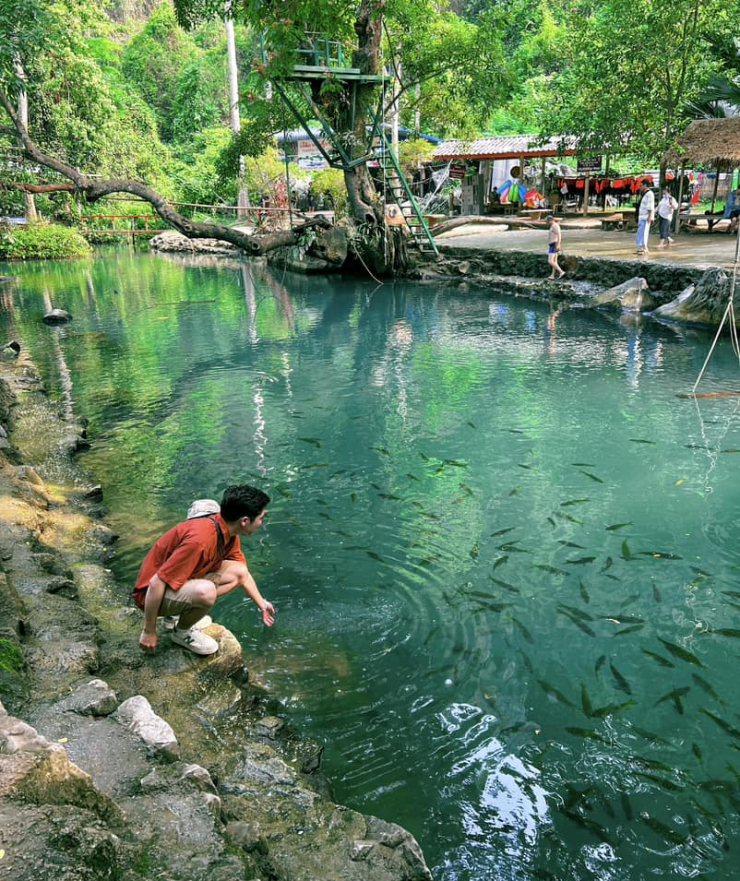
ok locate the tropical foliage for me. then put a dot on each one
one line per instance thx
(138, 88)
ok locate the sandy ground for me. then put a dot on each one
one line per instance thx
(698, 249)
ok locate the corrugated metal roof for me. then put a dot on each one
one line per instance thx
(505, 147)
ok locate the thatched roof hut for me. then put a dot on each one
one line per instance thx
(708, 142)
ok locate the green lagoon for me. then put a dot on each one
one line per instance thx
(504, 553)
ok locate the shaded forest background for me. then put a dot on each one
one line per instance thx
(125, 91)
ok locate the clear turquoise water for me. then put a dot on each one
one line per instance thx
(502, 549)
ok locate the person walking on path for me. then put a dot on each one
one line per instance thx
(645, 216)
(554, 241)
(666, 207)
(195, 563)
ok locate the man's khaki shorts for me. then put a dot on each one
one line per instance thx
(177, 602)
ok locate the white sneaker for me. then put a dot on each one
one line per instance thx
(169, 622)
(195, 641)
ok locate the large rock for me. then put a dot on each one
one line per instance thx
(631, 296)
(703, 303)
(38, 772)
(94, 698)
(137, 715)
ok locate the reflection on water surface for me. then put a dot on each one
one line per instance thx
(503, 551)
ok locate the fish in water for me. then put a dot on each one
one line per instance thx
(584, 593)
(570, 544)
(509, 587)
(587, 733)
(500, 562)
(664, 662)
(580, 624)
(640, 440)
(611, 709)
(581, 561)
(471, 425)
(683, 654)
(665, 832)
(626, 552)
(553, 692)
(456, 463)
(567, 517)
(657, 595)
(553, 570)
(625, 631)
(702, 683)
(619, 681)
(311, 440)
(582, 465)
(586, 702)
(574, 502)
(511, 548)
(502, 531)
(381, 450)
(391, 496)
(592, 476)
(607, 564)
(524, 631)
(615, 526)
(675, 695)
(577, 613)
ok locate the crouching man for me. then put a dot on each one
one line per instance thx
(195, 563)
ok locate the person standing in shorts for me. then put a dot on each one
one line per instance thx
(554, 241)
(195, 563)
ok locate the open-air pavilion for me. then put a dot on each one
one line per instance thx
(712, 143)
(518, 150)
(496, 156)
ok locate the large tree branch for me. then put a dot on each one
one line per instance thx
(94, 190)
(37, 188)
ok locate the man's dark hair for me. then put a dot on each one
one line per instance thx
(242, 501)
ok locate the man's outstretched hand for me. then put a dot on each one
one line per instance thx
(148, 642)
(268, 614)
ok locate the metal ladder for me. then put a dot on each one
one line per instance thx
(398, 192)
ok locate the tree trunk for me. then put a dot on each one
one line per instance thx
(94, 190)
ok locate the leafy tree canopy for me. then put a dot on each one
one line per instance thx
(631, 68)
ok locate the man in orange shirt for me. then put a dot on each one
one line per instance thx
(195, 563)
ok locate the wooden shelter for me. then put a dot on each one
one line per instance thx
(707, 142)
(522, 148)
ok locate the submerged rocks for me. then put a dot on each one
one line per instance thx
(57, 316)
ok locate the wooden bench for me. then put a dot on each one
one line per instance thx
(535, 213)
(695, 221)
(614, 221)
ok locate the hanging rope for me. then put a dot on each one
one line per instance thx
(729, 313)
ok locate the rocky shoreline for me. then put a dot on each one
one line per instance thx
(676, 293)
(120, 766)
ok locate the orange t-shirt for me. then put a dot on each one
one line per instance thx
(188, 550)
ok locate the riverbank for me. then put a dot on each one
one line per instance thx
(117, 765)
